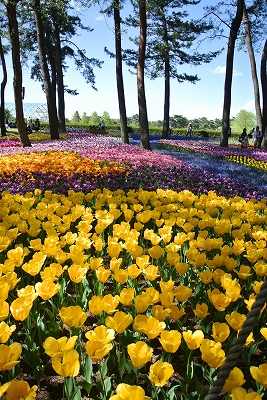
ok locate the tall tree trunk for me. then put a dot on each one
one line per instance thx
(3, 85)
(119, 76)
(253, 68)
(229, 73)
(143, 119)
(264, 94)
(60, 79)
(49, 90)
(17, 81)
(166, 119)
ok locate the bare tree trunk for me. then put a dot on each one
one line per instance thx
(3, 85)
(143, 119)
(49, 90)
(119, 75)
(229, 73)
(60, 79)
(253, 68)
(264, 95)
(166, 119)
(17, 81)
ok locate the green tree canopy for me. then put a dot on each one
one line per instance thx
(244, 119)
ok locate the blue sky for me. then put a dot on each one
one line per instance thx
(203, 99)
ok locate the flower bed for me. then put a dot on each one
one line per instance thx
(126, 293)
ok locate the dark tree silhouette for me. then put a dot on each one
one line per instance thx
(229, 72)
(11, 6)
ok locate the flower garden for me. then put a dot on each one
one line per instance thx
(126, 274)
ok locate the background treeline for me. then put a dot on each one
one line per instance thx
(244, 119)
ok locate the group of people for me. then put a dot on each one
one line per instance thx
(254, 134)
(30, 125)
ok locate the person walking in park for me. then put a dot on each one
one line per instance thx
(257, 138)
(189, 130)
(243, 138)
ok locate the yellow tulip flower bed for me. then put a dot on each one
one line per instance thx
(250, 162)
(57, 162)
(129, 295)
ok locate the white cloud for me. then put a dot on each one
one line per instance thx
(249, 106)
(221, 70)
(218, 70)
(99, 17)
(235, 73)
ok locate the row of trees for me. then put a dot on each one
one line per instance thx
(244, 119)
(177, 121)
(167, 40)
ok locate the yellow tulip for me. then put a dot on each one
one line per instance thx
(235, 379)
(166, 286)
(239, 393)
(156, 252)
(119, 322)
(114, 247)
(176, 313)
(218, 299)
(16, 256)
(206, 276)
(133, 271)
(170, 340)
(4, 290)
(120, 275)
(56, 347)
(217, 275)
(181, 268)
(182, 293)
(201, 310)
(77, 272)
(220, 331)
(20, 390)
(142, 302)
(235, 320)
(72, 316)
(68, 365)
(153, 294)
(128, 392)
(47, 289)
(97, 350)
(143, 261)
(34, 266)
(20, 308)
(167, 299)
(9, 356)
(6, 331)
(160, 313)
(95, 263)
(160, 372)
(3, 388)
(100, 333)
(260, 374)
(140, 353)
(102, 274)
(193, 340)
(263, 331)
(150, 326)
(244, 272)
(96, 305)
(4, 243)
(212, 353)
(126, 296)
(110, 303)
(151, 272)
